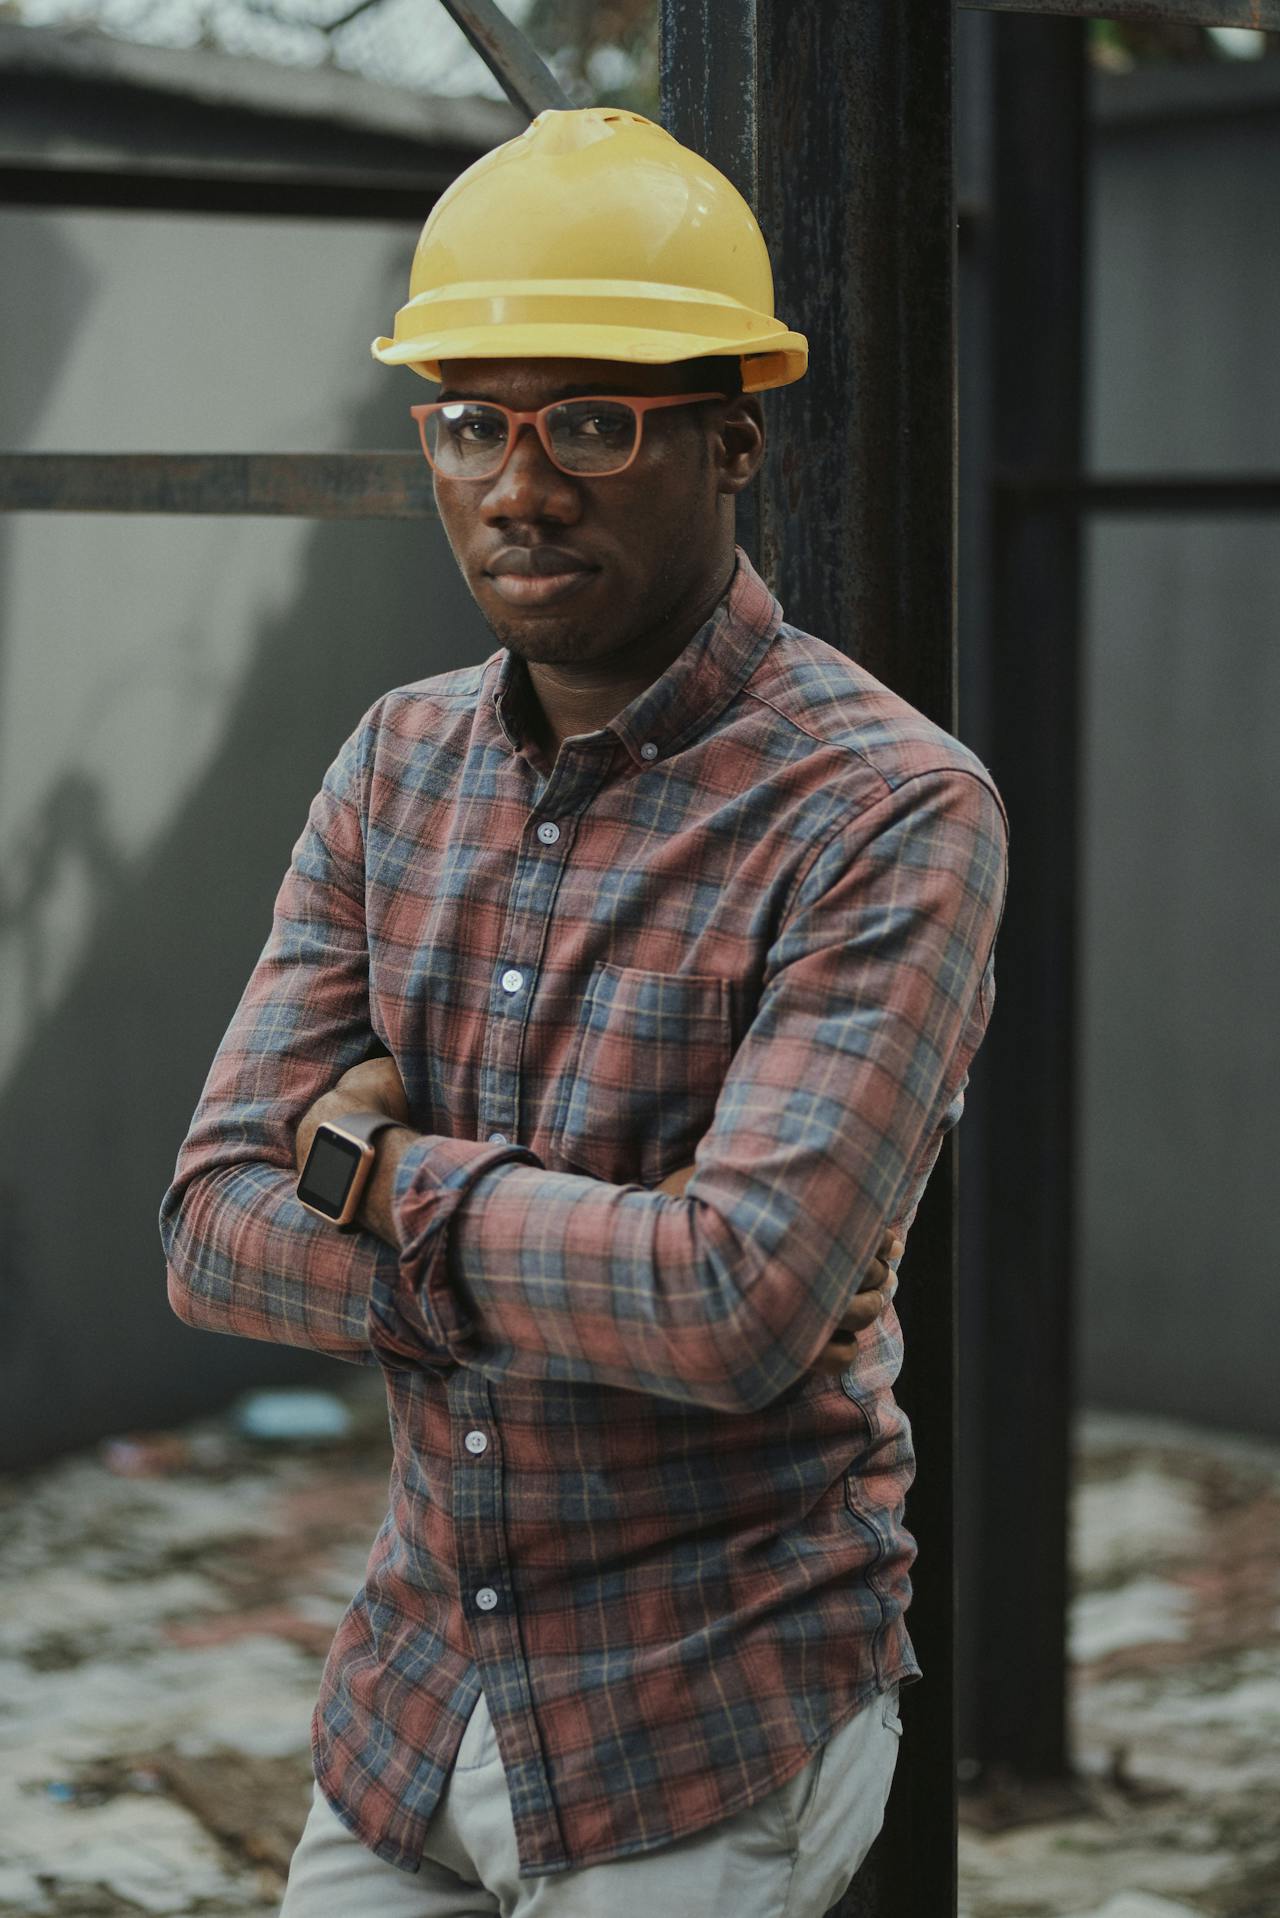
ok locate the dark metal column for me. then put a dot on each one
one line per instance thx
(1019, 1595)
(711, 101)
(836, 121)
(974, 80)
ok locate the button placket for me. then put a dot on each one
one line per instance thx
(532, 898)
(477, 1499)
(482, 1553)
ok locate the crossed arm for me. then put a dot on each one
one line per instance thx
(375, 1085)
(876, 992)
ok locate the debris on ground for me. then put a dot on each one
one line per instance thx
(292, 1417)
(170, 1598)
(1174, 1810)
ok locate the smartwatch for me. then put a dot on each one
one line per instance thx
(338, 1166)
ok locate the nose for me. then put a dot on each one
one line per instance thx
(529, 487)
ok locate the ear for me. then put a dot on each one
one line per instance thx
(738, 447)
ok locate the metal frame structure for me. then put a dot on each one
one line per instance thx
(854, 523)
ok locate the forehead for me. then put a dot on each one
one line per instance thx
(528, 383)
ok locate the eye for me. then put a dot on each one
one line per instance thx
(473, 425)
(602, 423)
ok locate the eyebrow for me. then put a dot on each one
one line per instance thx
(565, 393)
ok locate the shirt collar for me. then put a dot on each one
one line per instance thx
(698, 684)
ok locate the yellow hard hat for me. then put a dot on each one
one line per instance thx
(593, 235)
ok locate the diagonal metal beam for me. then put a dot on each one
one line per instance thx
(275, 485)
(522, 74)
(1263, 14)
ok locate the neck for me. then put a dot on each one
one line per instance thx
(581, 697)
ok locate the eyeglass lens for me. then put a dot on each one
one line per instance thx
(467, 439)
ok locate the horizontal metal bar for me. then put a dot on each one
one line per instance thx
(525, 78)
(1264, 14)
(398, 486)
(1143, 493)
(277, 485)
(223, 190)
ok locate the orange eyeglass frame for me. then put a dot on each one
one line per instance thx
(537, 419)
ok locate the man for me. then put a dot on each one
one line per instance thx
(671, 930)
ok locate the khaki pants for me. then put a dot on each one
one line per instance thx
(791, 1855)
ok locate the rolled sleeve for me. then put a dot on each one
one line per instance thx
(416, 1308)
(244, 1256)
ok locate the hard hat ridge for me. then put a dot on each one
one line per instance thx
(593, 235)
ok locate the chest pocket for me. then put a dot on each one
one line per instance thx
(641, 1087)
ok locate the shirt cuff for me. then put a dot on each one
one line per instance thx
(416, 1315)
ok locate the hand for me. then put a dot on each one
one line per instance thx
(871, 1299)
(374, 1085)
(863, 1310)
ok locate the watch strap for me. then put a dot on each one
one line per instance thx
(364, 1126)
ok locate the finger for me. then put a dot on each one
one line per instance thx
(867, 1305)
(831, 1360)
(882, 1267)
(863, 1311)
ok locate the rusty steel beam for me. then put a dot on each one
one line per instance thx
(857, 198)
(523, 76)
(1263, 14)
(708, 53)
(274, 485)
(855, 529)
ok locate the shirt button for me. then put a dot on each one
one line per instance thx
(476, 1442)
(486, 1598)
(548, 832)
(498, 1138)
(648, 750)
(512, 981)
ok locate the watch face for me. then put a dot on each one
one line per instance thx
(326, 1177)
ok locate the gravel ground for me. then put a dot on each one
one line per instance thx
(168, 1599)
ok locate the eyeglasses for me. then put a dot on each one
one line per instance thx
(593, 438)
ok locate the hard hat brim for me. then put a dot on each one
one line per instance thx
(637, 322)
(760, 370)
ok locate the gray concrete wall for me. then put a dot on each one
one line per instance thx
(1180, 1230)
(171, 691)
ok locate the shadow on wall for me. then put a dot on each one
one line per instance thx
(104, 1085)
(56, 281)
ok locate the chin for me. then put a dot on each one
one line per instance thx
(547, 642)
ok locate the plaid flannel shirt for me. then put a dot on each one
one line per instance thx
(750, 920)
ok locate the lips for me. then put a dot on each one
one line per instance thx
(544, 562)
(537, 575)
